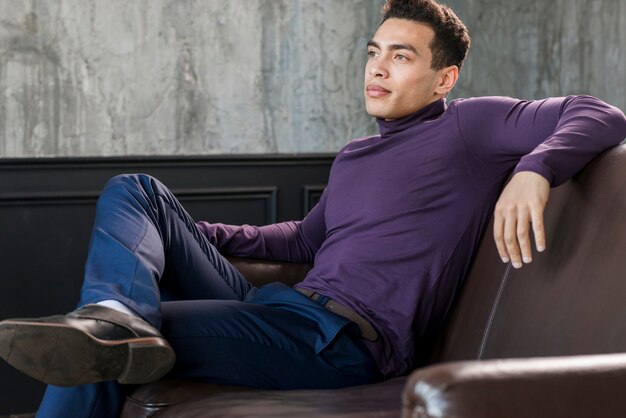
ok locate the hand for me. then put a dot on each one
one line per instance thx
(521, 204)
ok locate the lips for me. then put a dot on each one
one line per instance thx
(374, 90)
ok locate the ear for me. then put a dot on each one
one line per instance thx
(447, 79)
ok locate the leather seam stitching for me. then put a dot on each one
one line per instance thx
(492, 314)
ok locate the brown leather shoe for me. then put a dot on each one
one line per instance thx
(91, 344)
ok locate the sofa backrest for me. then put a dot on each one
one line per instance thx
(571, 299)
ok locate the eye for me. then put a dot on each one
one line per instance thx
(371, 53)
(401, 57)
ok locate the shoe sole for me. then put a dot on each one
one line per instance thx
(65, 356)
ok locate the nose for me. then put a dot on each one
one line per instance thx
(378, 71)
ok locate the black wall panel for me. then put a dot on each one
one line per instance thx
(47, 208)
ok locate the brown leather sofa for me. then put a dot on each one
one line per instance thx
(543, 341)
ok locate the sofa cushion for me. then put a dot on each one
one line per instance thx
(186, 399)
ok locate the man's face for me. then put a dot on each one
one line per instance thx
(398, 77)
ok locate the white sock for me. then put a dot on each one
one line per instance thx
(118, 306)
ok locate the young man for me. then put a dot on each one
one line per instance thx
(391, 240)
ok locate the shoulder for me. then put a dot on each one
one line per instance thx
(479, 103)
(488, 104)
(496, 111)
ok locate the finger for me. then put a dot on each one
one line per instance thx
(510, 238)
(523, 238)
(498, 236)
(538, 229)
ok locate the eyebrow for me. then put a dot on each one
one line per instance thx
(394, 47)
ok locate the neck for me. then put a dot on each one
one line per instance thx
(388, 127)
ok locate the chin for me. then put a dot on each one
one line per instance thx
(377, 113)
(385, 116)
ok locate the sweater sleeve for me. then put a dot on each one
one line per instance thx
(292, 241)
(554, 137)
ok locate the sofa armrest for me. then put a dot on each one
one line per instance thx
(555, 387)
(260, 272)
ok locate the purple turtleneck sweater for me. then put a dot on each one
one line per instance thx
(395, 230)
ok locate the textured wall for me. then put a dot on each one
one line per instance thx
(119, 77)
(539, 48)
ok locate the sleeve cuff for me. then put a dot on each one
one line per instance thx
(536, 167)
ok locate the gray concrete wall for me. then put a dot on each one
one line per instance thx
(538, 48)
(163, 77)
(120, 77)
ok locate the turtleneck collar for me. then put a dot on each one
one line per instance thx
(430, 111)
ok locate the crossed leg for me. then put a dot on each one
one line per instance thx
(147, 253)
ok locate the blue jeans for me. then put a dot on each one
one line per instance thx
(148, 253)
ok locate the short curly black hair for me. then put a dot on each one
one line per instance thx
(451, 41)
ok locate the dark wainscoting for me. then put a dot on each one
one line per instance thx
(47, 208)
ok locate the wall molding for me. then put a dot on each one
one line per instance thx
(311, 194)
(167, 161)
(268, 195)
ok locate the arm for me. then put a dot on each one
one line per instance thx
(293, 241)
(553, 139)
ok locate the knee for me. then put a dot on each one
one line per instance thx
(129, 185)
(127, 180)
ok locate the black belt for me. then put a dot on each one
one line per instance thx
(367, 331)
